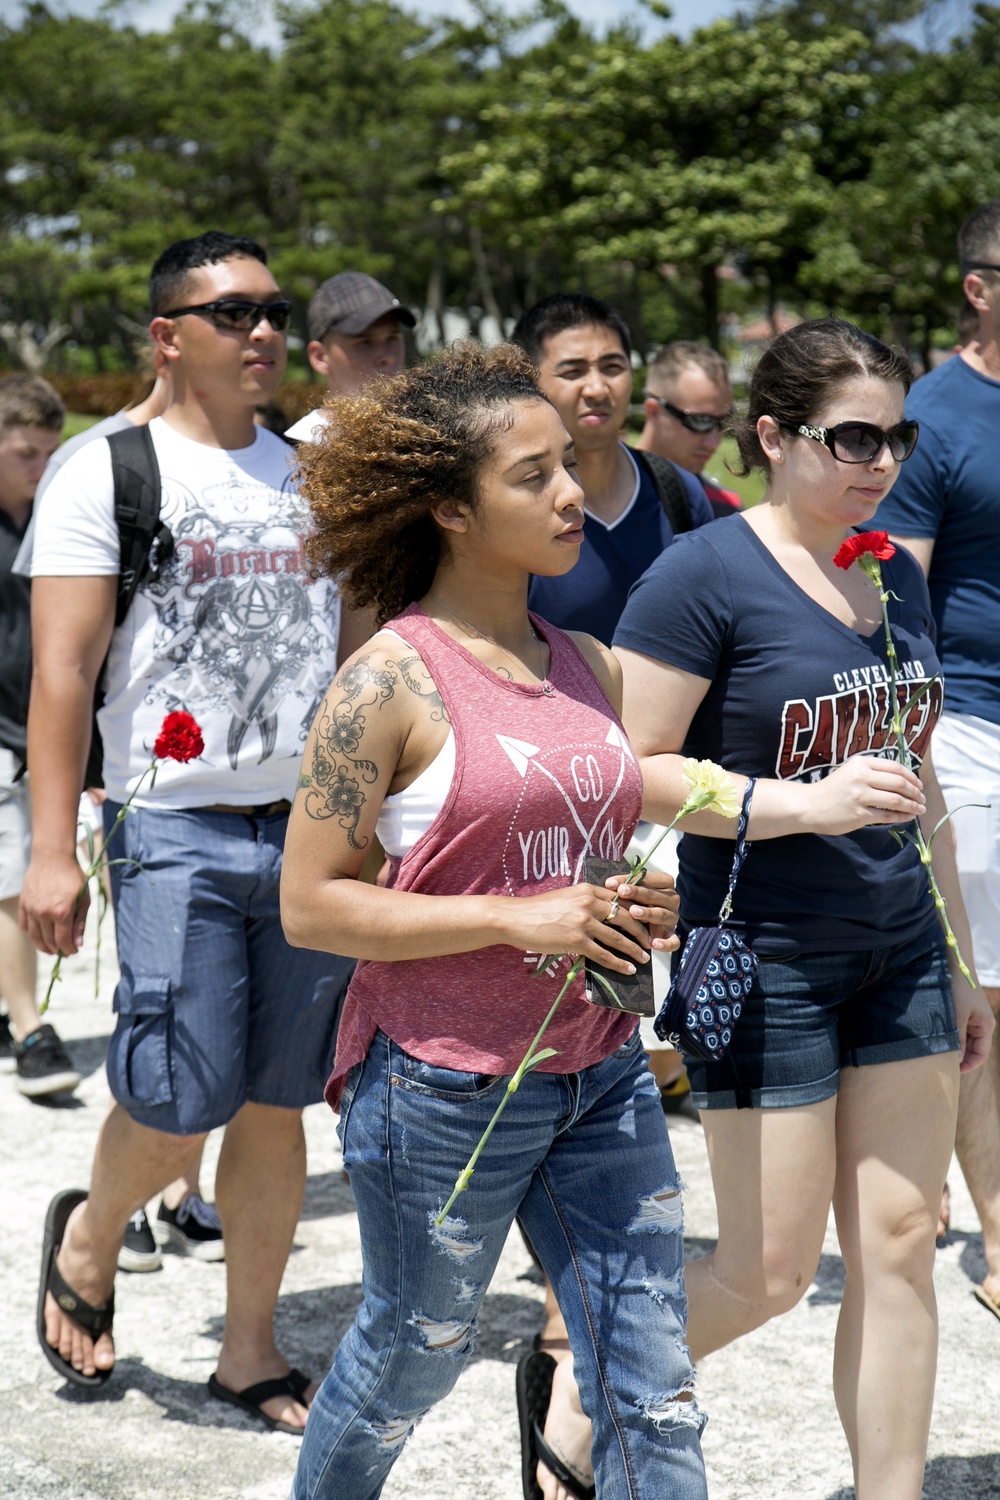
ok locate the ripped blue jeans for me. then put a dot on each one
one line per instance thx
(584, 1159)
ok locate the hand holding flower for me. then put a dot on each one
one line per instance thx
(653, 901)
(863, 791)
(573, 919)
(179, 739)
(869, 549)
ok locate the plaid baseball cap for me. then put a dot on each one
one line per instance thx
(352, 302)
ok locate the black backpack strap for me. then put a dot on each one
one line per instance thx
(669, 487)
(146, 543)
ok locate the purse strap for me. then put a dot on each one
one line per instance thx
(742, 845)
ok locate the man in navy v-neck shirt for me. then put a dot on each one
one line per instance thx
(582, 351)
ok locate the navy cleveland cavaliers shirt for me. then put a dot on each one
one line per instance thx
(794, 693)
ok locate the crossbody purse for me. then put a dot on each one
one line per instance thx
(714, 975)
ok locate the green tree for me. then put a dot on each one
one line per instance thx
(676, 155)
(887, 250)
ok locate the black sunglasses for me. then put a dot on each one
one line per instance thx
(238, 314)
(978, 265)
(860, 442)
(694, 421)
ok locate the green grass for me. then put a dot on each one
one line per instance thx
(75, 423)
(751, 489)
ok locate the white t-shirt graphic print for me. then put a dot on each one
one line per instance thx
(233, 630)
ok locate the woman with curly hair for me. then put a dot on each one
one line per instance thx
(484, 748)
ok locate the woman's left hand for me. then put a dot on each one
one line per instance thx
(655, 902)
(976, 1024)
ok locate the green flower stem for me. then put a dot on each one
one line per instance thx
(93, 870)
(871, 567)
(694, 802)
(699, 797)
(462, 1181)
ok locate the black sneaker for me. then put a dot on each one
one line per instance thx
(8, 1057)
(43, 1064)
(192, 1228)
(139, 1251)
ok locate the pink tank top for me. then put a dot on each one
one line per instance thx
(543, 777)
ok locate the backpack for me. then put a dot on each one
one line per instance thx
(145, 542)
(669, 487)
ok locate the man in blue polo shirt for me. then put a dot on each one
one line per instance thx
(945, 507)
(634, 502)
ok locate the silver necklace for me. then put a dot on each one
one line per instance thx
(546, 685)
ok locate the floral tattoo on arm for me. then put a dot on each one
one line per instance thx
(338, 773)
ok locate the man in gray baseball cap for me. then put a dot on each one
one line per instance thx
(355, 328)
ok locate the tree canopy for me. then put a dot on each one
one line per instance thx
(804, 153)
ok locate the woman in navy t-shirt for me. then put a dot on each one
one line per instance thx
(745, 643)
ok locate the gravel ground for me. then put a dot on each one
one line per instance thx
(153, 1433)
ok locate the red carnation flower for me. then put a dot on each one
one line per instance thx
(864, 544)
(179, 738)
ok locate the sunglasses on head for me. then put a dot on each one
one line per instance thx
(860, 442)
(238, 314)
(694, 421)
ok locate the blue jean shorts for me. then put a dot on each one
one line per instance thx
(812, 1014)
(213, 1006)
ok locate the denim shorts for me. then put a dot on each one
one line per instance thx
(812, 1014)
(213, 1006)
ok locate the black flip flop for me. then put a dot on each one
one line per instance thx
(533, 1385)
(555, 1465)
(252, 1397)
(93, 1320)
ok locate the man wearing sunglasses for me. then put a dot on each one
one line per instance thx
(945, 507)
(688, 402)
(355, 328)
(219, 1021)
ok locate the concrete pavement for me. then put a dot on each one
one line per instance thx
(154, 1434)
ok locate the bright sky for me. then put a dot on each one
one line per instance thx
(686, 13)
(156, 13)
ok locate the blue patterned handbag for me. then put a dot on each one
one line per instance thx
(714, 975)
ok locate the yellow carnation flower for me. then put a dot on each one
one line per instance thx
(712, 788)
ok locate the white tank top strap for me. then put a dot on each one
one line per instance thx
(406, 816)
